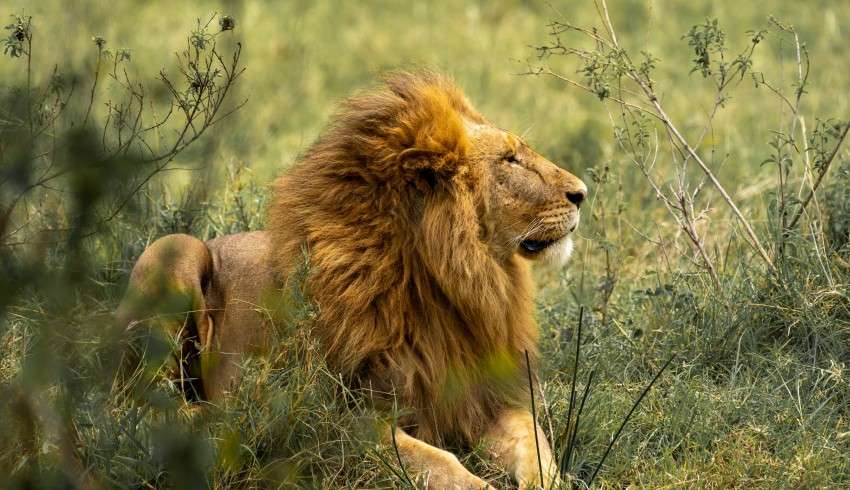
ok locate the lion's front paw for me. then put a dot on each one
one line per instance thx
(553, 482)
(529, 478)
(449, 473)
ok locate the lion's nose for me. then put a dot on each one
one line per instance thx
(576, 197)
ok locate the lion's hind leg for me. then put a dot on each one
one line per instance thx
(165, 303)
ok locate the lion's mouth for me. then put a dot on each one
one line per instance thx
(554, 251)
(536, 246)
(554, 245)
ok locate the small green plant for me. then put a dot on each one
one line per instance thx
(19, 41)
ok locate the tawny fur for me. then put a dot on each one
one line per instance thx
(417, 216)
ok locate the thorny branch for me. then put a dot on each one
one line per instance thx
(823, 171)
(130, 132)
(611, 73)
(645, 86)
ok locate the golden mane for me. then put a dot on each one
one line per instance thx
(410, 301)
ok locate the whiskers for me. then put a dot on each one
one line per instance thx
(557, 253)
(535, 226)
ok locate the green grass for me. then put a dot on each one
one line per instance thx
(758, 395)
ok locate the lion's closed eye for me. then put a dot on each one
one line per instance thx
(512, 159)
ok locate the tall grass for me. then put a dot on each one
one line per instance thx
(758, 394)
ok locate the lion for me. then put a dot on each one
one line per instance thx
(419, 219)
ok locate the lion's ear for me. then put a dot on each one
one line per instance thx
(435, 139)
(429, 177)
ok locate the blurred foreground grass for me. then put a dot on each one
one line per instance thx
(759, 395)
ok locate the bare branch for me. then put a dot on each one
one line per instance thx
(824, 169)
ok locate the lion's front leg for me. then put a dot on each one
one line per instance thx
(439, 468)
(510, 442)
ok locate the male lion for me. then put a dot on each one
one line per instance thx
(418, 217)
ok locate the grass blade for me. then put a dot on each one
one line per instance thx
(570, 429)
(626, 419)
(571, 444)
(534, 416)
(395, 443)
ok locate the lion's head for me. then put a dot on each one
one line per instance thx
(418, 216)
(525, 204)
(529, 205)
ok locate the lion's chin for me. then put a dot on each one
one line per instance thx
(557, 252)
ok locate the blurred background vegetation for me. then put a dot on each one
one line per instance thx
(759, 393)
